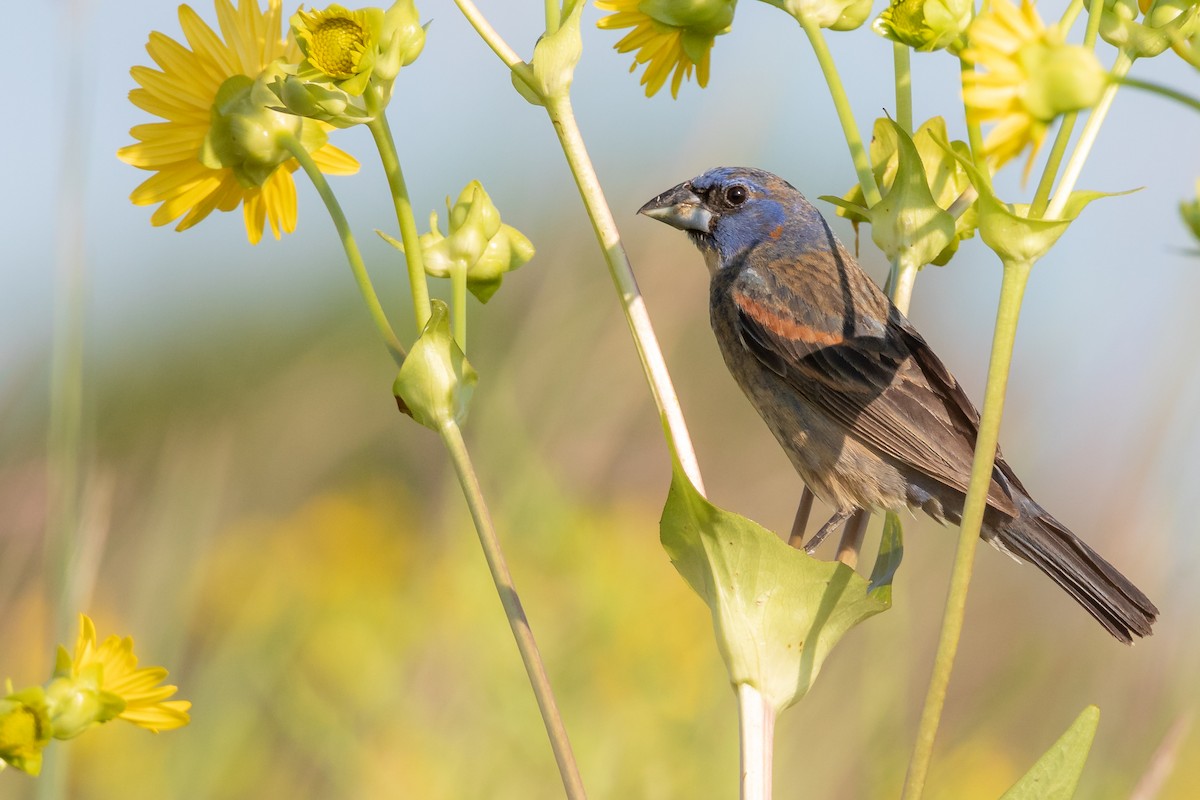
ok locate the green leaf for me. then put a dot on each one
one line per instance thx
(1056, 773)
(777, 612)
(1007, 229)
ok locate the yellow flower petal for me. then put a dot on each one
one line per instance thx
(182, 91)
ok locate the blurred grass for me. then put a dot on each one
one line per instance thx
(298, 555)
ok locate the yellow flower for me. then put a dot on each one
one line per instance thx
(1032, 77)
(669, 36)
(110, 668)
(184, 92)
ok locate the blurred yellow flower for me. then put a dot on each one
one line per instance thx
(669, 36)
(1031, 77)
(146, 703)
(184, 91)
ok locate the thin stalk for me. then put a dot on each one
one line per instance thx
(458, 305)
(756, 736)
(1041, 198)
(353, 256)
(1012, 290)
(386, 145)
(902, 287)
(858, 153)
(1163, 91)
(513, 611)
(553, 16)
(974, 133)
(653, 363)
(903, 70)
(1087, 138)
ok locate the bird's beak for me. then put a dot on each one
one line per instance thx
(680, 208)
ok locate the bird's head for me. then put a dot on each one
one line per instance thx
(728, 210)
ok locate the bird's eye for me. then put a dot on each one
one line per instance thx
(736, 195)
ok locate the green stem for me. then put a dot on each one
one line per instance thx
(353, 256)
(553, 16)
(1041, 198)
(386, 145)
(653, 364)
(903, 70)
(858, 153)
(1087, 138)
(458, 305)
(974, 132)
(513, 611)
(1163, 91)
(1016, 276)
(756, 737)
(904, 278)
(1071, 12)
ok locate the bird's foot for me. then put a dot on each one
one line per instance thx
(837, 519)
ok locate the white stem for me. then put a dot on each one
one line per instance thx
(757, 734)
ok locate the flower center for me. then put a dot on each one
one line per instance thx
(337, 45)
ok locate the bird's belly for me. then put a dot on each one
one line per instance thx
(836, 466)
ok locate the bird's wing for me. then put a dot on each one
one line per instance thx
(883, 384)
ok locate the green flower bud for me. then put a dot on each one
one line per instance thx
(478, 243)
(945, 181)
(1190, 211)
(925, 25)
(247, 131)
(840, 15)
(24, 729)
(549, 73)
(1062, 78)
(76, 699)
(319, 101)
(436, 381)
(1168, 20)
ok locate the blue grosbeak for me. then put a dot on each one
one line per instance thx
(867, 413)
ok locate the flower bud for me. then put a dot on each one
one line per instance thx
(839, 15)
(478, 243)
(319, 101)
(76, 699)
(24, 729)
(247, 133)
(1190, 211)
(1167, 21)
(435, 382)
(925, 25)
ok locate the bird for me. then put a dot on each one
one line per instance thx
(867, 413)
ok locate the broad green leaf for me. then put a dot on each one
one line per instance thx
(777, 612)
(1056, 773)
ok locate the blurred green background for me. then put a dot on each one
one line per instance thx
(298, 555)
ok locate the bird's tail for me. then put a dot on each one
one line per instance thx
(1095, 584)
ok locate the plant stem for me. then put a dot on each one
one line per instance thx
(902, 289)
(553, 15)
(386, 145)
(858, 153)
(1087, 138)
(353, 256)
(974, 133)
(756, 736)
(458, 305)
(903, 70)
(1016, 276)
(1163, 91)
(653, 363)
(513, 611)
(1042, 197)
